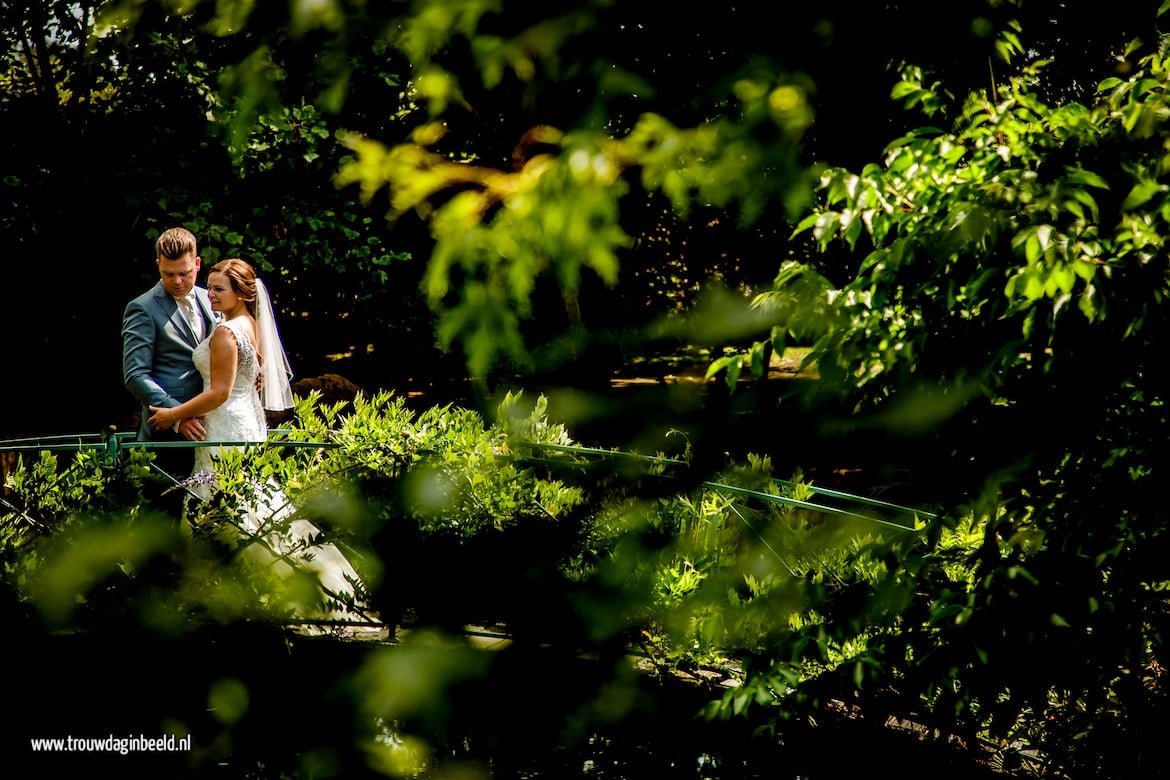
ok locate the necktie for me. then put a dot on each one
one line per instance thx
(193, 318)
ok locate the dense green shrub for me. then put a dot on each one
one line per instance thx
(459, 524)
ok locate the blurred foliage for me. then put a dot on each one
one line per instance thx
(128, 116)
(457, 524)
(1010, 299)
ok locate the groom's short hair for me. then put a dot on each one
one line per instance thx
(174, 243)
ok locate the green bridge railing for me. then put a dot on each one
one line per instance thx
(113, 443)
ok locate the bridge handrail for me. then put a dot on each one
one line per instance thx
(113, 443)
(812, 489)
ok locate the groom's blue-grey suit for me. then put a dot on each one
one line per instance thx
(157, 343)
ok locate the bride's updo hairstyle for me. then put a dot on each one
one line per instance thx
(243, 279)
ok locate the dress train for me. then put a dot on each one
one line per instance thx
(275, 537)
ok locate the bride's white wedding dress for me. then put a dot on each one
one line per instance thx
(280, 539)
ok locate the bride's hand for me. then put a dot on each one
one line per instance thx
(162, 419)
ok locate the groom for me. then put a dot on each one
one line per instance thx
(160, 328)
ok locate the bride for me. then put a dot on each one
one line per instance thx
(244, 341)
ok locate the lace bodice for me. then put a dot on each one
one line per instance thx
(240, 418)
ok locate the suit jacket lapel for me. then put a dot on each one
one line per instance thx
(206, 313)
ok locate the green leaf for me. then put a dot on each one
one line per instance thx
(853, 231)
(826, 225)
(904, 88)
(759, 350)
(1141, 193)
(1033, 286)
(720, 364)
(1065, 277)
(1081, 176)
(805, 224)
(733, 371)
(1032, 249)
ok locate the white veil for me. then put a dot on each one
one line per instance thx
(276, 393)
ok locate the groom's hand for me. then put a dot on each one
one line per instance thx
(192, 428)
